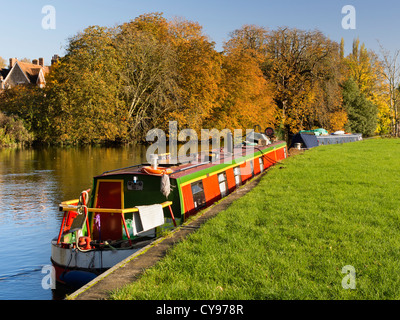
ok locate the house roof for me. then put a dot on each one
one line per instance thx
(33, 72)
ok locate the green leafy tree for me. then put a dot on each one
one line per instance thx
(362, 113)
(85, 89)
(27, 102)
(13, 131)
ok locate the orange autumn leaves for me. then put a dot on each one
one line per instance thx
(246, 96)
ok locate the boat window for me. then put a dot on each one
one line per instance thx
(223, 184)
(135, 185)
(199, 198)
(260, 159)
(238, 178)
(252, 167)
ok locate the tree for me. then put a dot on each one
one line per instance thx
(298, 62)
(200, 74)
(251, 39)
(362, 113)
(3, 63)
(326, 105)
(246, 96)
(367, 70)
(391, 72)
(13, 131)
(115, 84)
(85, 89)
(149, 74)
(25, 102)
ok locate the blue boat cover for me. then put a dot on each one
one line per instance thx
(310, 140)
(307, 140)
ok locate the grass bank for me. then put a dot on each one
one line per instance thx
(290, 237)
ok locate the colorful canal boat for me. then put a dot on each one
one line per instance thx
(128, 208)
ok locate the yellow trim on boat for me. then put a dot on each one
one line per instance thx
(69, 202)
(102, 210)
(229, 167)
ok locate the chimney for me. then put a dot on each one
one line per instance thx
(35, 61)
(41, 62)
(54, 59)
(12, 62)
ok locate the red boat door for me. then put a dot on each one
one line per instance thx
(109, 195)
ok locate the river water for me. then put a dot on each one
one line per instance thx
(32, 184)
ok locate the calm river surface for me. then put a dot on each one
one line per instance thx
(32, 184)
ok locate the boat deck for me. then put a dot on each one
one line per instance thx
(196, 163)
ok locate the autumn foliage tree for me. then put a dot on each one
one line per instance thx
(303, 66)
(135, 77)
(85, 90)
(200, 74)
(148, 73)
(303, 70)
(2, 62)
(246, 96)
(391, 74)
(365, 68)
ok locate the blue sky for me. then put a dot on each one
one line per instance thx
(22, 34)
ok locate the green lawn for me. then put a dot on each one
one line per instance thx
(290, 237)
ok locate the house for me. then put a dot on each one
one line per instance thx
(19, 72)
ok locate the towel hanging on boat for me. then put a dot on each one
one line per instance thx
(148, 217)
(165, 187)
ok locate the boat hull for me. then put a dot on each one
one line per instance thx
(94, 261)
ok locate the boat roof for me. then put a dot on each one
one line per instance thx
(193, 164)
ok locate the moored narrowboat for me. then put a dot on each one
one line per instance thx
(128, 208)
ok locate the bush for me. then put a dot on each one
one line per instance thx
(13, 132)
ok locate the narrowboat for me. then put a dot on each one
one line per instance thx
(128, 208)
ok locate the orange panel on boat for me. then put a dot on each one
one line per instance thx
(269, 159)
(108, 197)
(280, 154)
(256, 166)
(211, 189)
(245, 169)
(187, 199)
